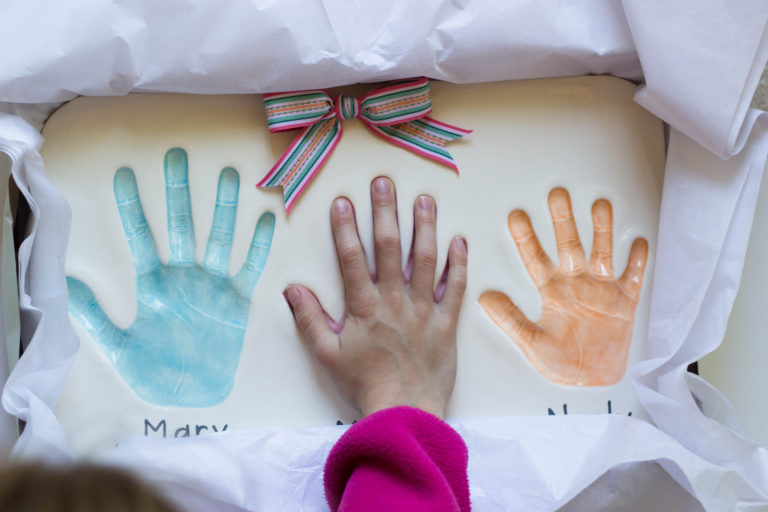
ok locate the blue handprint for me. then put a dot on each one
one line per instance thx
(184, 346)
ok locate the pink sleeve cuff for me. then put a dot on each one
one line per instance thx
(398, 459)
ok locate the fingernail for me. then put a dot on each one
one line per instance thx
(425, 202)
(461, 244)
(381, 185)
(292, 296)
(341, 205)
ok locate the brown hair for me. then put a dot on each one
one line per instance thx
(78, 488)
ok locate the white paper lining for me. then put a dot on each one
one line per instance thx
(700, 62)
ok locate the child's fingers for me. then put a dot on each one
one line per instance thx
(424, 248)
(311, 319)
(386, 233)
(456, 281)
(354, 267)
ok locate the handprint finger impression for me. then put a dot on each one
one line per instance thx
(601, 261)
(585, 329)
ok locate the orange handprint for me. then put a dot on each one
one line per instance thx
(585, 329)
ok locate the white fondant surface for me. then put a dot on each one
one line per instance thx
(584, 134)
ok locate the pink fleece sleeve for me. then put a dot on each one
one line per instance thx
(398, 459)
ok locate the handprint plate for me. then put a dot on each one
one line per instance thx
(584, 134)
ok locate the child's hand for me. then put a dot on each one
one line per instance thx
(396, 344)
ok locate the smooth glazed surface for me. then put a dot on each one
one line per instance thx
(166, 355)
(583, 134)
(585, 330)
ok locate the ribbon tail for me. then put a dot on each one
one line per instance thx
(303, 159)
(426, 137)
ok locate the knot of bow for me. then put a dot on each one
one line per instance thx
(397, 112)
(347, 107)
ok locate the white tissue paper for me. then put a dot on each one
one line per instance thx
(699, 61)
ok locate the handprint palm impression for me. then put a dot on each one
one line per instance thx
(174, 342)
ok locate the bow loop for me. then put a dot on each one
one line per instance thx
(396, 111)
(397, 102)
(288, 111)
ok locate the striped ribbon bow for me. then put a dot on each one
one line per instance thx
(396, 111)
